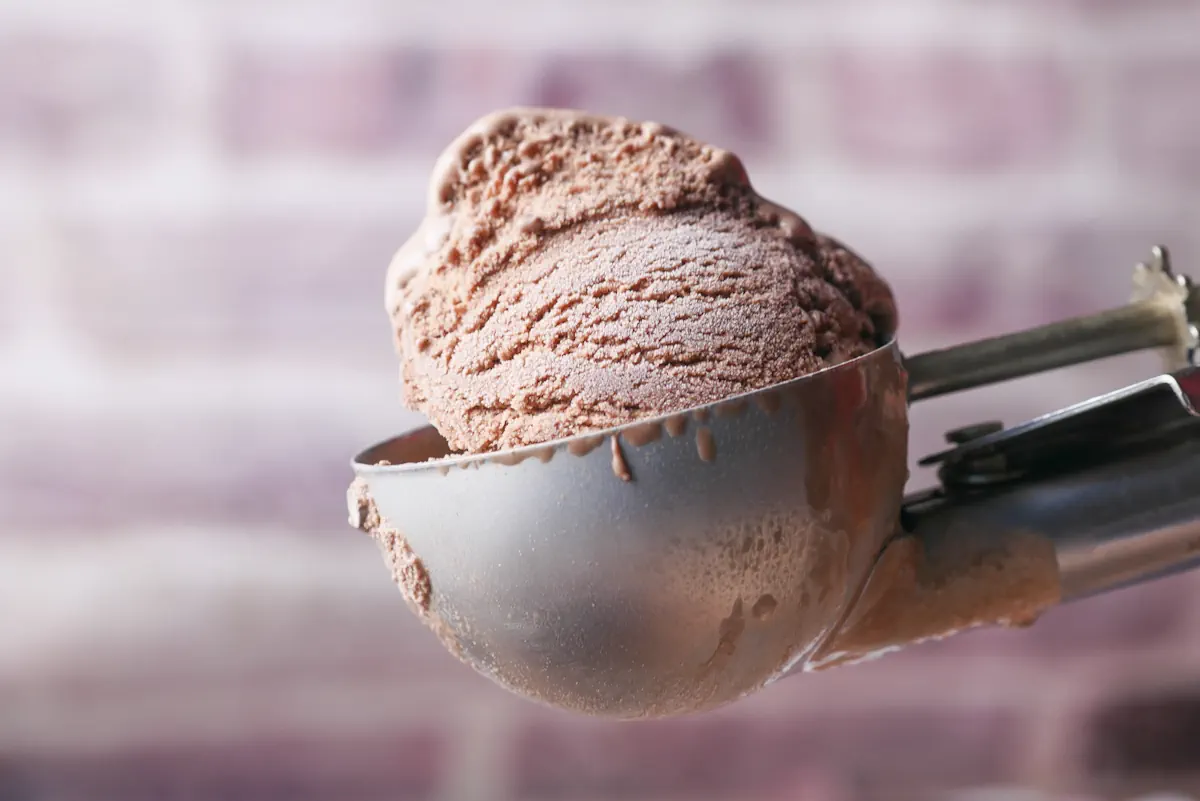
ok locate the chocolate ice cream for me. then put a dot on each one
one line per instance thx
(576, 272)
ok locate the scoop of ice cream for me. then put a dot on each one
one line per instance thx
(576, 272)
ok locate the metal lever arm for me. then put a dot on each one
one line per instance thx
(1162, 315)
(1088, 499)
(1112, 482)
(1120, 522)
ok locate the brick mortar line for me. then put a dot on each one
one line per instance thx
(252, 559)
(347, 191)
(193, 78)
(481, 761)
(1008, 682)
(212, 714)
(790, 25)
(1049, 733)
(249, 557)
(78, 379)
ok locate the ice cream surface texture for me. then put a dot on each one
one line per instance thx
(576, 272)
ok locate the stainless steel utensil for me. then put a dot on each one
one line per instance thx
(678, 563)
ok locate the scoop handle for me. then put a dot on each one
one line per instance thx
(1163, 314)
(1123, 510)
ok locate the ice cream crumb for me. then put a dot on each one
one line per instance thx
(363, 514)
(408, 571)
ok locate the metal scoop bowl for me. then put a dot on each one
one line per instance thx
(676, 564)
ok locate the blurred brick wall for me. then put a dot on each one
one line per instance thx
(197, 206)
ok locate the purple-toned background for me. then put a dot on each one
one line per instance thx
(198, 203)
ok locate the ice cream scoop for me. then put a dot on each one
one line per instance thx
(682, 561)
(669, 444)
